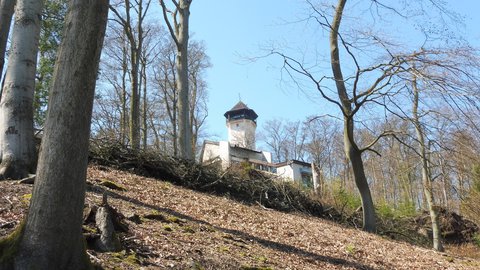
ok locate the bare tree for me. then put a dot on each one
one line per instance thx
(178, 28)
(135, 38)
(377, 70)
(165, 76)
(287, 140)
(199, 62)
(426, 174)
(274, 136)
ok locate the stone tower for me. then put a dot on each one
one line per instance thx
(241, 125)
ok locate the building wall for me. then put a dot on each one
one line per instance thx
(297, 171)
(293, 171)
(224, 152)
(247, 154)
(210, 152)
(285, 172)
(241, 132)
(268, 156)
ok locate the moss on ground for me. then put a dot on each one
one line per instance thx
(112, 185)
(9, 245)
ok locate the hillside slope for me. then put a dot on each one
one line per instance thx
(184, 229)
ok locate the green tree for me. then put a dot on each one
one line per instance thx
(50, 37)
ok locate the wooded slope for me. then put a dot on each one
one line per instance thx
(184, 229)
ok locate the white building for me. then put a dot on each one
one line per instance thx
(240, 147)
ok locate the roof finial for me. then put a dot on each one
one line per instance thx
(239, 97)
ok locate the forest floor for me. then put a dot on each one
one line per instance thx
(177, 228)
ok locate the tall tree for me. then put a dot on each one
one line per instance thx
(178, 28)
(135, 35)
(352, 150)
(53, 17)
(287, 140)
(52, 236)
(6, 14)
(426, 175)
(199, 62)
(17, 150)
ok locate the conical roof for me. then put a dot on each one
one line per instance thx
(239, 106)
(241, 110)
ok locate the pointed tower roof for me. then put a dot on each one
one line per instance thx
(239, 111)
(239, 106)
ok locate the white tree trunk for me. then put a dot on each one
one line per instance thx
(53, 231)
(17, 149)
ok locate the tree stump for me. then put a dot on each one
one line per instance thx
(108, 240)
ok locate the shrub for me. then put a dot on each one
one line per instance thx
(346, 199)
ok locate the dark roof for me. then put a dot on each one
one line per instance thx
(245, 149)
(291, 161)
(241, 110)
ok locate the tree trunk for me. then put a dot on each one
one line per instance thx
(17, 149)
(6, 9)
(352, 151)
(124, 120)
(134, 101)
(193, 105)
(426, 178)
(145, 104)
(53, 232)
(179, 33)
(184, 125)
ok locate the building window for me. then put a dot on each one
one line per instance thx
(307, 180)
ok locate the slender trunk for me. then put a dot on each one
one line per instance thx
(155, 132)
(351, 149)
(53, 232)
(134, 102)
(17, 148)
(179, 33)
(170, 102)
(135, 47)
(6, 9)
(124, 121)
(426, 177)
(175, 130)
(444, 182)
(193, 105)
(145, 105)
(184, 126)
(355, 157)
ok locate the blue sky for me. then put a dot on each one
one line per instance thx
(235, 30)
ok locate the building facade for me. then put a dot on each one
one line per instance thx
(241, 122)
